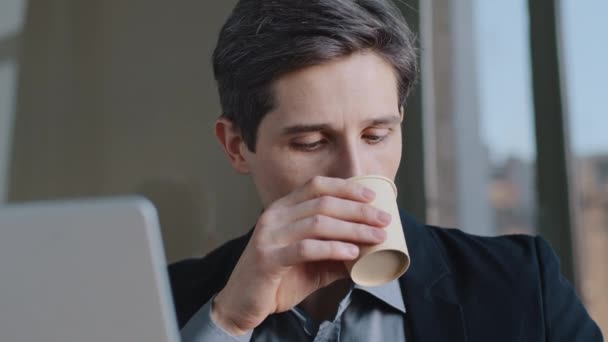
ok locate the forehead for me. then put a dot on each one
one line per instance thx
(351, 89)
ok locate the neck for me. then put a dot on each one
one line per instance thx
(322, 304)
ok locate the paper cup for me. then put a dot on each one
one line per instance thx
(384, 262)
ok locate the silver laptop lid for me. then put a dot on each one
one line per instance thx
(90, 270)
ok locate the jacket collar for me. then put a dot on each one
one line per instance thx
(434, 313)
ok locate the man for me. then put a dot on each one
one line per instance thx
(313, 93)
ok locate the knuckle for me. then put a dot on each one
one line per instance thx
(319, 226)
(316, 183)
(264, 220)
(323, 204)
(273, 206)
(316, 222)
(303, 249)
(367, 211)
(267, 217)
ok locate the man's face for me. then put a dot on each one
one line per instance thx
(339, 119)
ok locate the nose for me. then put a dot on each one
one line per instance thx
(348, 162)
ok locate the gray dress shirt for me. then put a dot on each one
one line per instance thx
(364, 314)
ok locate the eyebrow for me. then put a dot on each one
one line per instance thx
(305, 128)
(385, 120)
(308, 128)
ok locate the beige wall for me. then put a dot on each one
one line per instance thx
(118, 97)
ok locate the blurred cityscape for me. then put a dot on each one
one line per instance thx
(592, 234)
(512, 196)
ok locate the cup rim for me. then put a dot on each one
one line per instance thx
(389, 277)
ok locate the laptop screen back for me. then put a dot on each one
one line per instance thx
(91, 270)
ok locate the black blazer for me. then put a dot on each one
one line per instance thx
(458, 288)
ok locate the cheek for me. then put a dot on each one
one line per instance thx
(301, 167)
(281, 172)
(387, 158)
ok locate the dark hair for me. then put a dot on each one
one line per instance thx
(265, 39)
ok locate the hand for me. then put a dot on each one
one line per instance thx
(299, 245)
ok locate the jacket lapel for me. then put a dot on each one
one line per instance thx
(433, 311)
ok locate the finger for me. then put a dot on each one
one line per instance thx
(322, 227)
(325, 186)
(340, 209)
(316, 250)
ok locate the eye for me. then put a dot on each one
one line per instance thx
(374, 139)
(376, 136)
(307, 147)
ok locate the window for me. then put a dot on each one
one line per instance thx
(506, 113)
(585, 74)
(11, 17)
(479, 131)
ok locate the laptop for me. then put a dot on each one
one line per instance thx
(84, 271)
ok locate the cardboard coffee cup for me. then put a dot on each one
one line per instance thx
(384, 262)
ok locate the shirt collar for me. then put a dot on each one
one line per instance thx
(389, 293)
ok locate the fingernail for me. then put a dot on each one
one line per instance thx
(379, 233)
(384, 217)
(353, 251)
(369, 194)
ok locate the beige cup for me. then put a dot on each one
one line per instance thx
(381, 263)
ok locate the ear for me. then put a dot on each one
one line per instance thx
(401, 113)
(231, 140)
